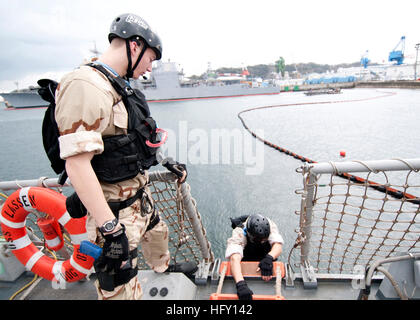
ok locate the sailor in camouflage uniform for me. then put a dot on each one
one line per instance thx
(89, 109)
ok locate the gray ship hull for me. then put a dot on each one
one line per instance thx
(167, 83)
(33, 100)
(23, 100)
(201, 92)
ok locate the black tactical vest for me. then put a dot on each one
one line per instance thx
(127, 155)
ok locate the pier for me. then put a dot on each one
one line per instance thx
(400, 84)
(318, 86)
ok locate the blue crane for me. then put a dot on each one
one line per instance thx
(398, 55)
(365, 60)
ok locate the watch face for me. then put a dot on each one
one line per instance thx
(108, 226)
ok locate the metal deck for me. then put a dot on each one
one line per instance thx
(179, 287)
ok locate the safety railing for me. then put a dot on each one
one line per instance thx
(357, 212)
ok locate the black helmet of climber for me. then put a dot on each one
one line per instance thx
(131, 27)
(258, 228)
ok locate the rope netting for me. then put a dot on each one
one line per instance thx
(344, 223)
(187, 235)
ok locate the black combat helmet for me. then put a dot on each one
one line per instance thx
(129, 26)
(258, 228)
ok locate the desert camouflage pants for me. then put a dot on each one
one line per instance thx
(153, 244)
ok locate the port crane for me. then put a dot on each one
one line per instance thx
(365, 60)
(398, 55)
(280, 66)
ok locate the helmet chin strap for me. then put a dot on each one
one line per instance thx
(130, 69)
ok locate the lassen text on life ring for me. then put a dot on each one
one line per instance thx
(13, 219)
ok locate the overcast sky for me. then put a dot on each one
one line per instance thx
(50, 37)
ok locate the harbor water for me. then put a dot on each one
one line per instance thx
(231, 173)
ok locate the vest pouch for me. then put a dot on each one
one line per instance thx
(148, 129)
(144, 133)
(120, 160)
(148, 158)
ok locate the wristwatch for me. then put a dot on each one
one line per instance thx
(108, 226)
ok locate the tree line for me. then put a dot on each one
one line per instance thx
(267, 71)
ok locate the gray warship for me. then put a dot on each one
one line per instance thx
(26, 98)
(166, 83)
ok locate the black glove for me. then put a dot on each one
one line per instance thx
(244, 293)
(114, 252)
(175, 167)
(266, 265)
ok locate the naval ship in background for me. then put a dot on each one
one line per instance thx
(167, 83)
(25, 98)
